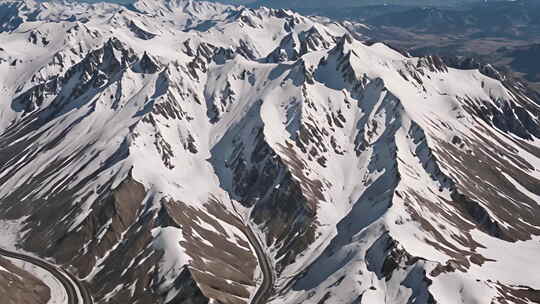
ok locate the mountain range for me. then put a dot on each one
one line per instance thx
(319, 4)
(504, 34)
(179, 151)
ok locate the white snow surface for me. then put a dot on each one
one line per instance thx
(384, 120)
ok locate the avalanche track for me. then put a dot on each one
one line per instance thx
(70, 283)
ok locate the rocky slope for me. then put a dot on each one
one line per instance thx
(20, 287)
(140, 147)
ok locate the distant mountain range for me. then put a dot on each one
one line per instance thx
(355, 3)
(310, 4)
(505, 33)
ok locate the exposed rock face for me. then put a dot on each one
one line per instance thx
(154, 151)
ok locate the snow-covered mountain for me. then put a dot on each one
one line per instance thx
(193, 152)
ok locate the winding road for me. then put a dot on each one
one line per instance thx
(265, 289)
(77, 293)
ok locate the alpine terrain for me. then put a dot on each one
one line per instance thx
(185, 152)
